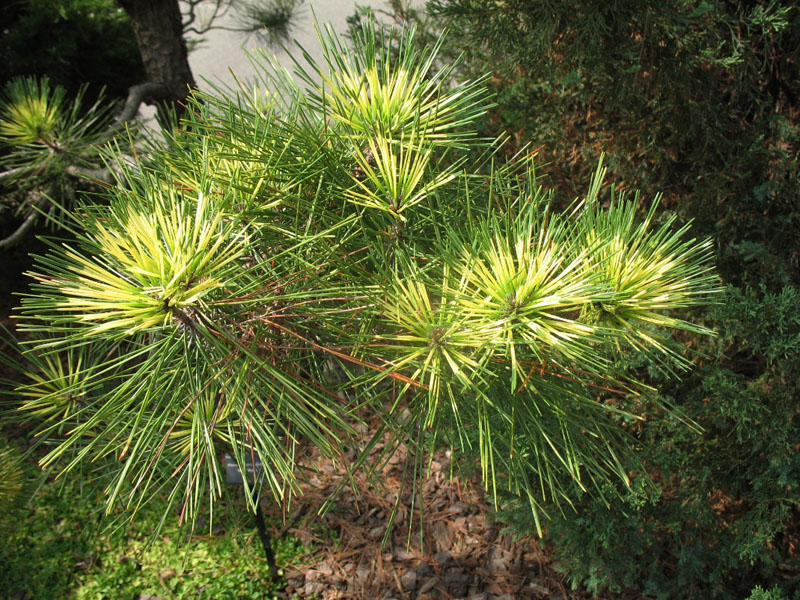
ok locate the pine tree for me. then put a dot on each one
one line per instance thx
(303, 253)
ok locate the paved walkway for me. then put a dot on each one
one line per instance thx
(224, 51)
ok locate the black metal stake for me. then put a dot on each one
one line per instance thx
(265, 541)
(234, 476)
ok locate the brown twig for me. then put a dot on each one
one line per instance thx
(21, 231)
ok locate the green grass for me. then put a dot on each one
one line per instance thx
(55, 550)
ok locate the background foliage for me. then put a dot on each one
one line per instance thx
(73, 42)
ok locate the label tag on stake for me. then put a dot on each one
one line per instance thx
(233, 474)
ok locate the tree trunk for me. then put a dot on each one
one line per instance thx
(157, 26)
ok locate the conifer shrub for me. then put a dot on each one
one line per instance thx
(305, 252)
(679, 95)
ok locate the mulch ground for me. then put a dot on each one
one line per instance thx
(442, 543)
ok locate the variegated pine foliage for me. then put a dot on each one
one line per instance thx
(42, 131)
(294, 259)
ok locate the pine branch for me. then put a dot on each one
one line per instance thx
(100, 175)
(21, 231)
(146, 93)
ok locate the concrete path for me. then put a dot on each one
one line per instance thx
(224, 51)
